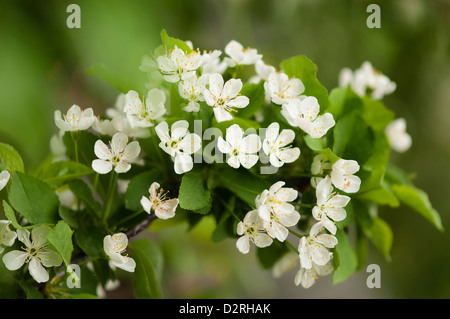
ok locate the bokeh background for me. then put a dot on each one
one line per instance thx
(43, 64)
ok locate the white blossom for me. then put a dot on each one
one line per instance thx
(238, 55)
(314, 249)
(308, 277)
(399, 139)
(7, 236)
(275, 209)
(179, 144)
(262, 72)
(75, 119)
(367, 80)
(36, 253)
(240, 150)
(178, 65)
(118, 155)
(251, 229)
(281, 89)
(319, 164)
(224, 97)
(114, 246)
(141, 114)
(211, 63)
(330, 206)
(342, 175)
(277, 145)
(192, 90)
(163, 207)
(4, 178)
(305, 115)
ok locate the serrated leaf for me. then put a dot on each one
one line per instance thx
(33, 199)
(381, 236)
(10, 158)
(60, 237)
(11, 215)
(58, 173)
(346, 257)
(149, 265)
(353, 139)
(193, 193)
(82, 191)
(305, 70)
(418, 200)
(170, 42)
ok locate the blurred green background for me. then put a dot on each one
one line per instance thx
(42, 68)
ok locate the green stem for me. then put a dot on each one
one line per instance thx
(75, 143)
(294, 233)
(94, 187)
(110, 197)
(292, 246)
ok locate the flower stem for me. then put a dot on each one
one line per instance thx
(110, 196)
(75, 143)
(291, 246)
(294, 233)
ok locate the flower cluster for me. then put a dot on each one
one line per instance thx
(110, 175)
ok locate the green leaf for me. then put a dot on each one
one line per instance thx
(353, 139)
(71, 217)
(345, 256)
(193, 193)
(149, 266)
(315, 144)
(11, 215)
(256, 94)
(11, 158)
(138, 187)
(82, 191)
(90, 240)
(418, 200)
(116, 80)
(61, 239)
(243, 123)
(395, 175)
(243, 184)
(85, 144)
(361, 247)
(30, 290)
(380, 234)
(170, 42)
(58, 173)
(344, 101)
(304, 69)
(33, 199)
(376, 114)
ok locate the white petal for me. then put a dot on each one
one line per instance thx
(101, 166)
(250, 144)
(215, 84)
(243, 244)
(231, 89)
(146, 204)
(15, 259)
(102, 151)
(221, 115)
(248, 161)
(37, 271)
(183, 163)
